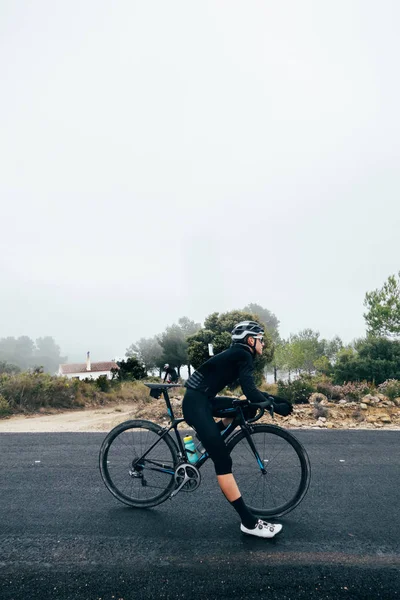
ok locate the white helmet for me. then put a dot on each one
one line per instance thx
(166, 366)
(245, 328)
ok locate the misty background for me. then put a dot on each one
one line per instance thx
(161, 159)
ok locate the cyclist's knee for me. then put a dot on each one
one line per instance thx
(223, 465)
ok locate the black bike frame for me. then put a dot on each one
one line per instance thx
(182, 450)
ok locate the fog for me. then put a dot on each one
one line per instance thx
(161, 159)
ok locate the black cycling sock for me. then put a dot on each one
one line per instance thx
(246, 516)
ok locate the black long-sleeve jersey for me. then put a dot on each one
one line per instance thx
(225, 368)
(172, 373)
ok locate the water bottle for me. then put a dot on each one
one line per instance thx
(193, 457)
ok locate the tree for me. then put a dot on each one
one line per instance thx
(129, 370)
(18, 351)
(8, 368)
(305, 349)
(25, 354)
(266, 317)
(383, 314)
(148, 351)
(188, 326)
(174, 347)
(280, 359)
(332, 347)
(370, 359)
(47, 354)
(217, 331)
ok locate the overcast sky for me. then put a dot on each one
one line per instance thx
(169, 158)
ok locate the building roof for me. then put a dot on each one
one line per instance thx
(94, 367)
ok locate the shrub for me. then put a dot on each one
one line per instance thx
(324, 385)
(297, 391)
(390, 388)
(103, 383)
(320, 411)
(26, 391)
(355, 390)
(5, 408)
(270, 388)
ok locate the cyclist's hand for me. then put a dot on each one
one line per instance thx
(283, 407)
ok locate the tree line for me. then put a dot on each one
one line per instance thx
(23, 353)
(187, 343)
(375, 357)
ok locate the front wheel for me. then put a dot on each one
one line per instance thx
(275, 480)
(137, 464)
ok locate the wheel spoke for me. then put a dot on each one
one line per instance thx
(146, 484)
(286, 477)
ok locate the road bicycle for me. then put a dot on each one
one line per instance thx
(142, 465)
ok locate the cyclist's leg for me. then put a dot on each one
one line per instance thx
(197, 411)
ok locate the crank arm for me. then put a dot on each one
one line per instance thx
(180, 486)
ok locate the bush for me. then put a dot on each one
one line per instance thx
(103, 383)
(390, 388)
(375, 359)
(297, 391)
(355, 390)
(320, 411)
(324, 385)
(5, 408)
(270, 388)
(130, 370)
(27, 391)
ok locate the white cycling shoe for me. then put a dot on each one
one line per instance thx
(262, 529)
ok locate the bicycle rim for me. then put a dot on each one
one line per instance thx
(136, 481)
(287, 470)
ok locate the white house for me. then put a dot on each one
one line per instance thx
(87, 370)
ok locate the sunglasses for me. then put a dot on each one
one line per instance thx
(260, 338)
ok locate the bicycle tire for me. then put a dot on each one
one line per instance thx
(117, 453)
(288, 448)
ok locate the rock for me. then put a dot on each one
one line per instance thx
(368, 399)
(342, 401)
(371, 419)
(318, 398)
(373, 399)
(385, 419)
(363, 406)
(396, 401)
(293, 422)
(323, 419)
(329, 425)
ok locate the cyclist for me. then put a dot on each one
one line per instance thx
(199, 403)
(171, 376)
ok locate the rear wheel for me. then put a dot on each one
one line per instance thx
(134, 479)
(278, 483)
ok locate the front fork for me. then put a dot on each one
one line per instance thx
(254, 451)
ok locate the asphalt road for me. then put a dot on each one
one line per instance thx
(63, 536)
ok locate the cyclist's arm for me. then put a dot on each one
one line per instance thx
(247, 383)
